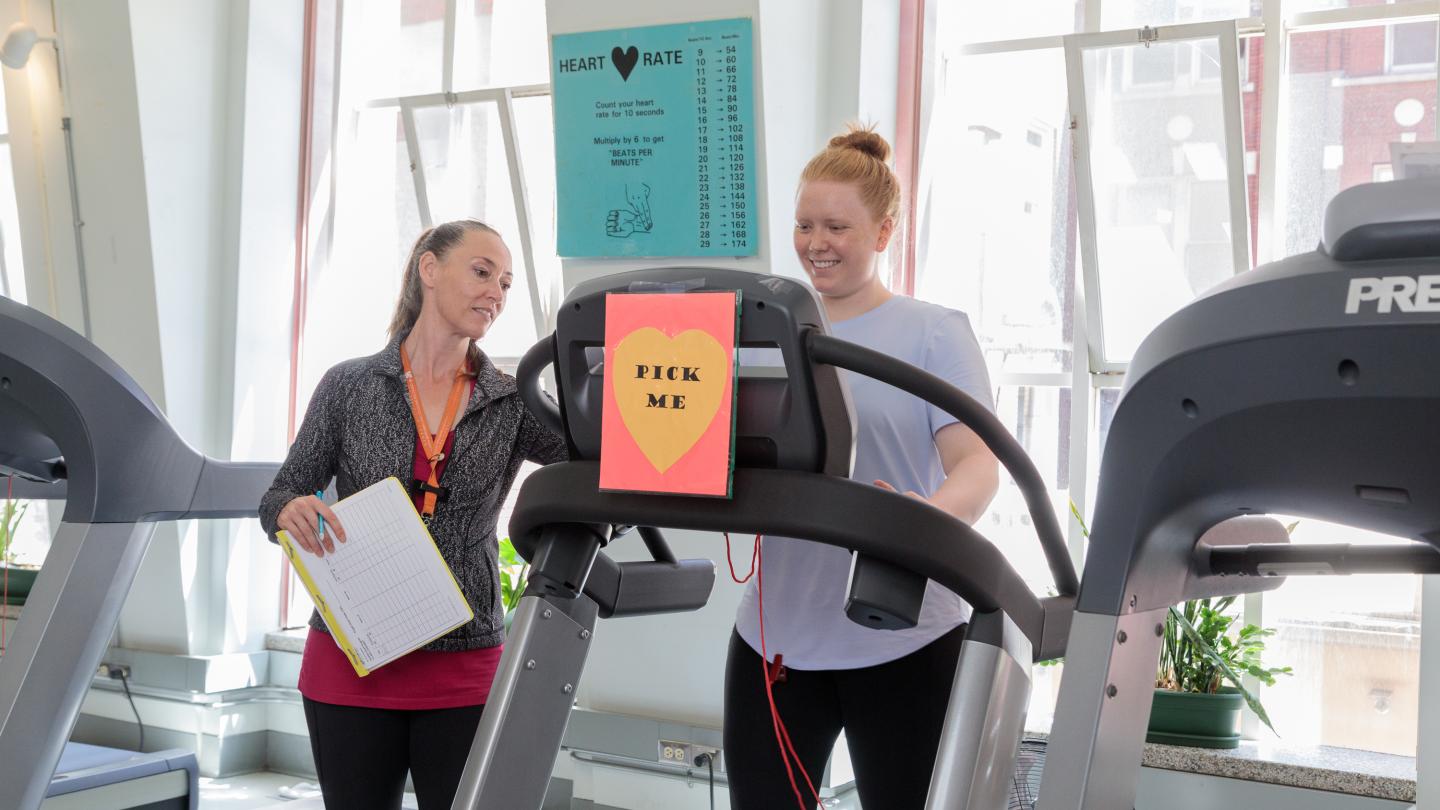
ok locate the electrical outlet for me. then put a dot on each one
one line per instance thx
(115, 671)
(684, 753)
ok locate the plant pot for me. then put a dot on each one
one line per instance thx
(20, 579)
(1196, 720)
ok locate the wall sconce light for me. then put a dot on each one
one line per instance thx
(19, 41)
(15, 50)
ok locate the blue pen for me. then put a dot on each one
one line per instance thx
(320, 493)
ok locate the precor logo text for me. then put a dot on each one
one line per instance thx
(1402, 293)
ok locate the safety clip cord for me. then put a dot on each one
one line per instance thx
(419, 485)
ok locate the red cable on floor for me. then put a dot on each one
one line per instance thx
(782, 735)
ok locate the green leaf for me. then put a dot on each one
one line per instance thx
(1075, 510)
(1220, 663)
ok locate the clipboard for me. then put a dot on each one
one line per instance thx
(387, 590)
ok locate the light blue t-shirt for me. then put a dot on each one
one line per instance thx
(805, 582)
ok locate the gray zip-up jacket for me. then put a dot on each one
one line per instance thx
(359, 429)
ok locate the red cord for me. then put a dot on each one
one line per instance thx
(754, 555)
(782, 735)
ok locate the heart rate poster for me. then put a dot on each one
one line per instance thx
(668, 420)
(654, 141)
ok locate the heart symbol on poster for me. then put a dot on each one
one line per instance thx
(624, 60)
(667, 432)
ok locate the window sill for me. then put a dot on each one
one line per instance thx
(1401, 77)
(292, 640)
(1313, 767)
(1319, 767)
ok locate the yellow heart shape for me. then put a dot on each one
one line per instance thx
(644, 364)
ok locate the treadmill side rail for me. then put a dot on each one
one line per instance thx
(985, 718)
(1093, 759)
(61, 636)
(518, 741)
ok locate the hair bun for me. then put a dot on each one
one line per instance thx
(863, 140)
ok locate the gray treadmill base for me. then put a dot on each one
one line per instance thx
(92, 777)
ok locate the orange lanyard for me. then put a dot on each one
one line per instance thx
(434, 446)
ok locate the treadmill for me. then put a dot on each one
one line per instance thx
(793, 452)
(1306, 387)
(74, 425)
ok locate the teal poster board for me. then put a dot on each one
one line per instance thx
(654, 141)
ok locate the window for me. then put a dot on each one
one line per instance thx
(1411, 46)
(457, 128)
(1006, 259)
(1357, 80)
(1157, 164)
(1009, 269)
(1339, 125)
(1354, 643)
(12, 268)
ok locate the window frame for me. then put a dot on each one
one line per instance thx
(1226, 35)
(543, 307)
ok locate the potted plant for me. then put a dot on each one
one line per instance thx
(512, 580)
(15, 579)
(1199, 688)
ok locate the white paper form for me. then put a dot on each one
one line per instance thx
(386, 590)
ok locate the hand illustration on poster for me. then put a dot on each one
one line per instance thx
(625, 222)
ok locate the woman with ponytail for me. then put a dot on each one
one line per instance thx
(432, 410)
(822, 673)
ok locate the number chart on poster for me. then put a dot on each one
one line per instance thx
(654, 141)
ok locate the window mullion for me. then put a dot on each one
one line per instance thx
(1085, 200)
(1271, 226)
(541, 309)
(447, 72)
(417, 167)
(1427, 747)
(1235, 149)
(1092, 16)
(1252, 611)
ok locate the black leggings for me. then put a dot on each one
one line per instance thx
(892, 715)
(362, 755)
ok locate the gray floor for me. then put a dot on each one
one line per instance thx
(263, 790)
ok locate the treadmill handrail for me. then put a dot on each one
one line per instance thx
(856, 516)
(877, 366)
(1289, 559)
(527, 379)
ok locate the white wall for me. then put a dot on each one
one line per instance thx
(180, 64)
(157, 92)
(204, 106)
(100, 98)
(808, 85)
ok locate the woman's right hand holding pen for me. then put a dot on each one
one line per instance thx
(311, 524)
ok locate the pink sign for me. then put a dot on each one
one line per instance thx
(668, 423)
